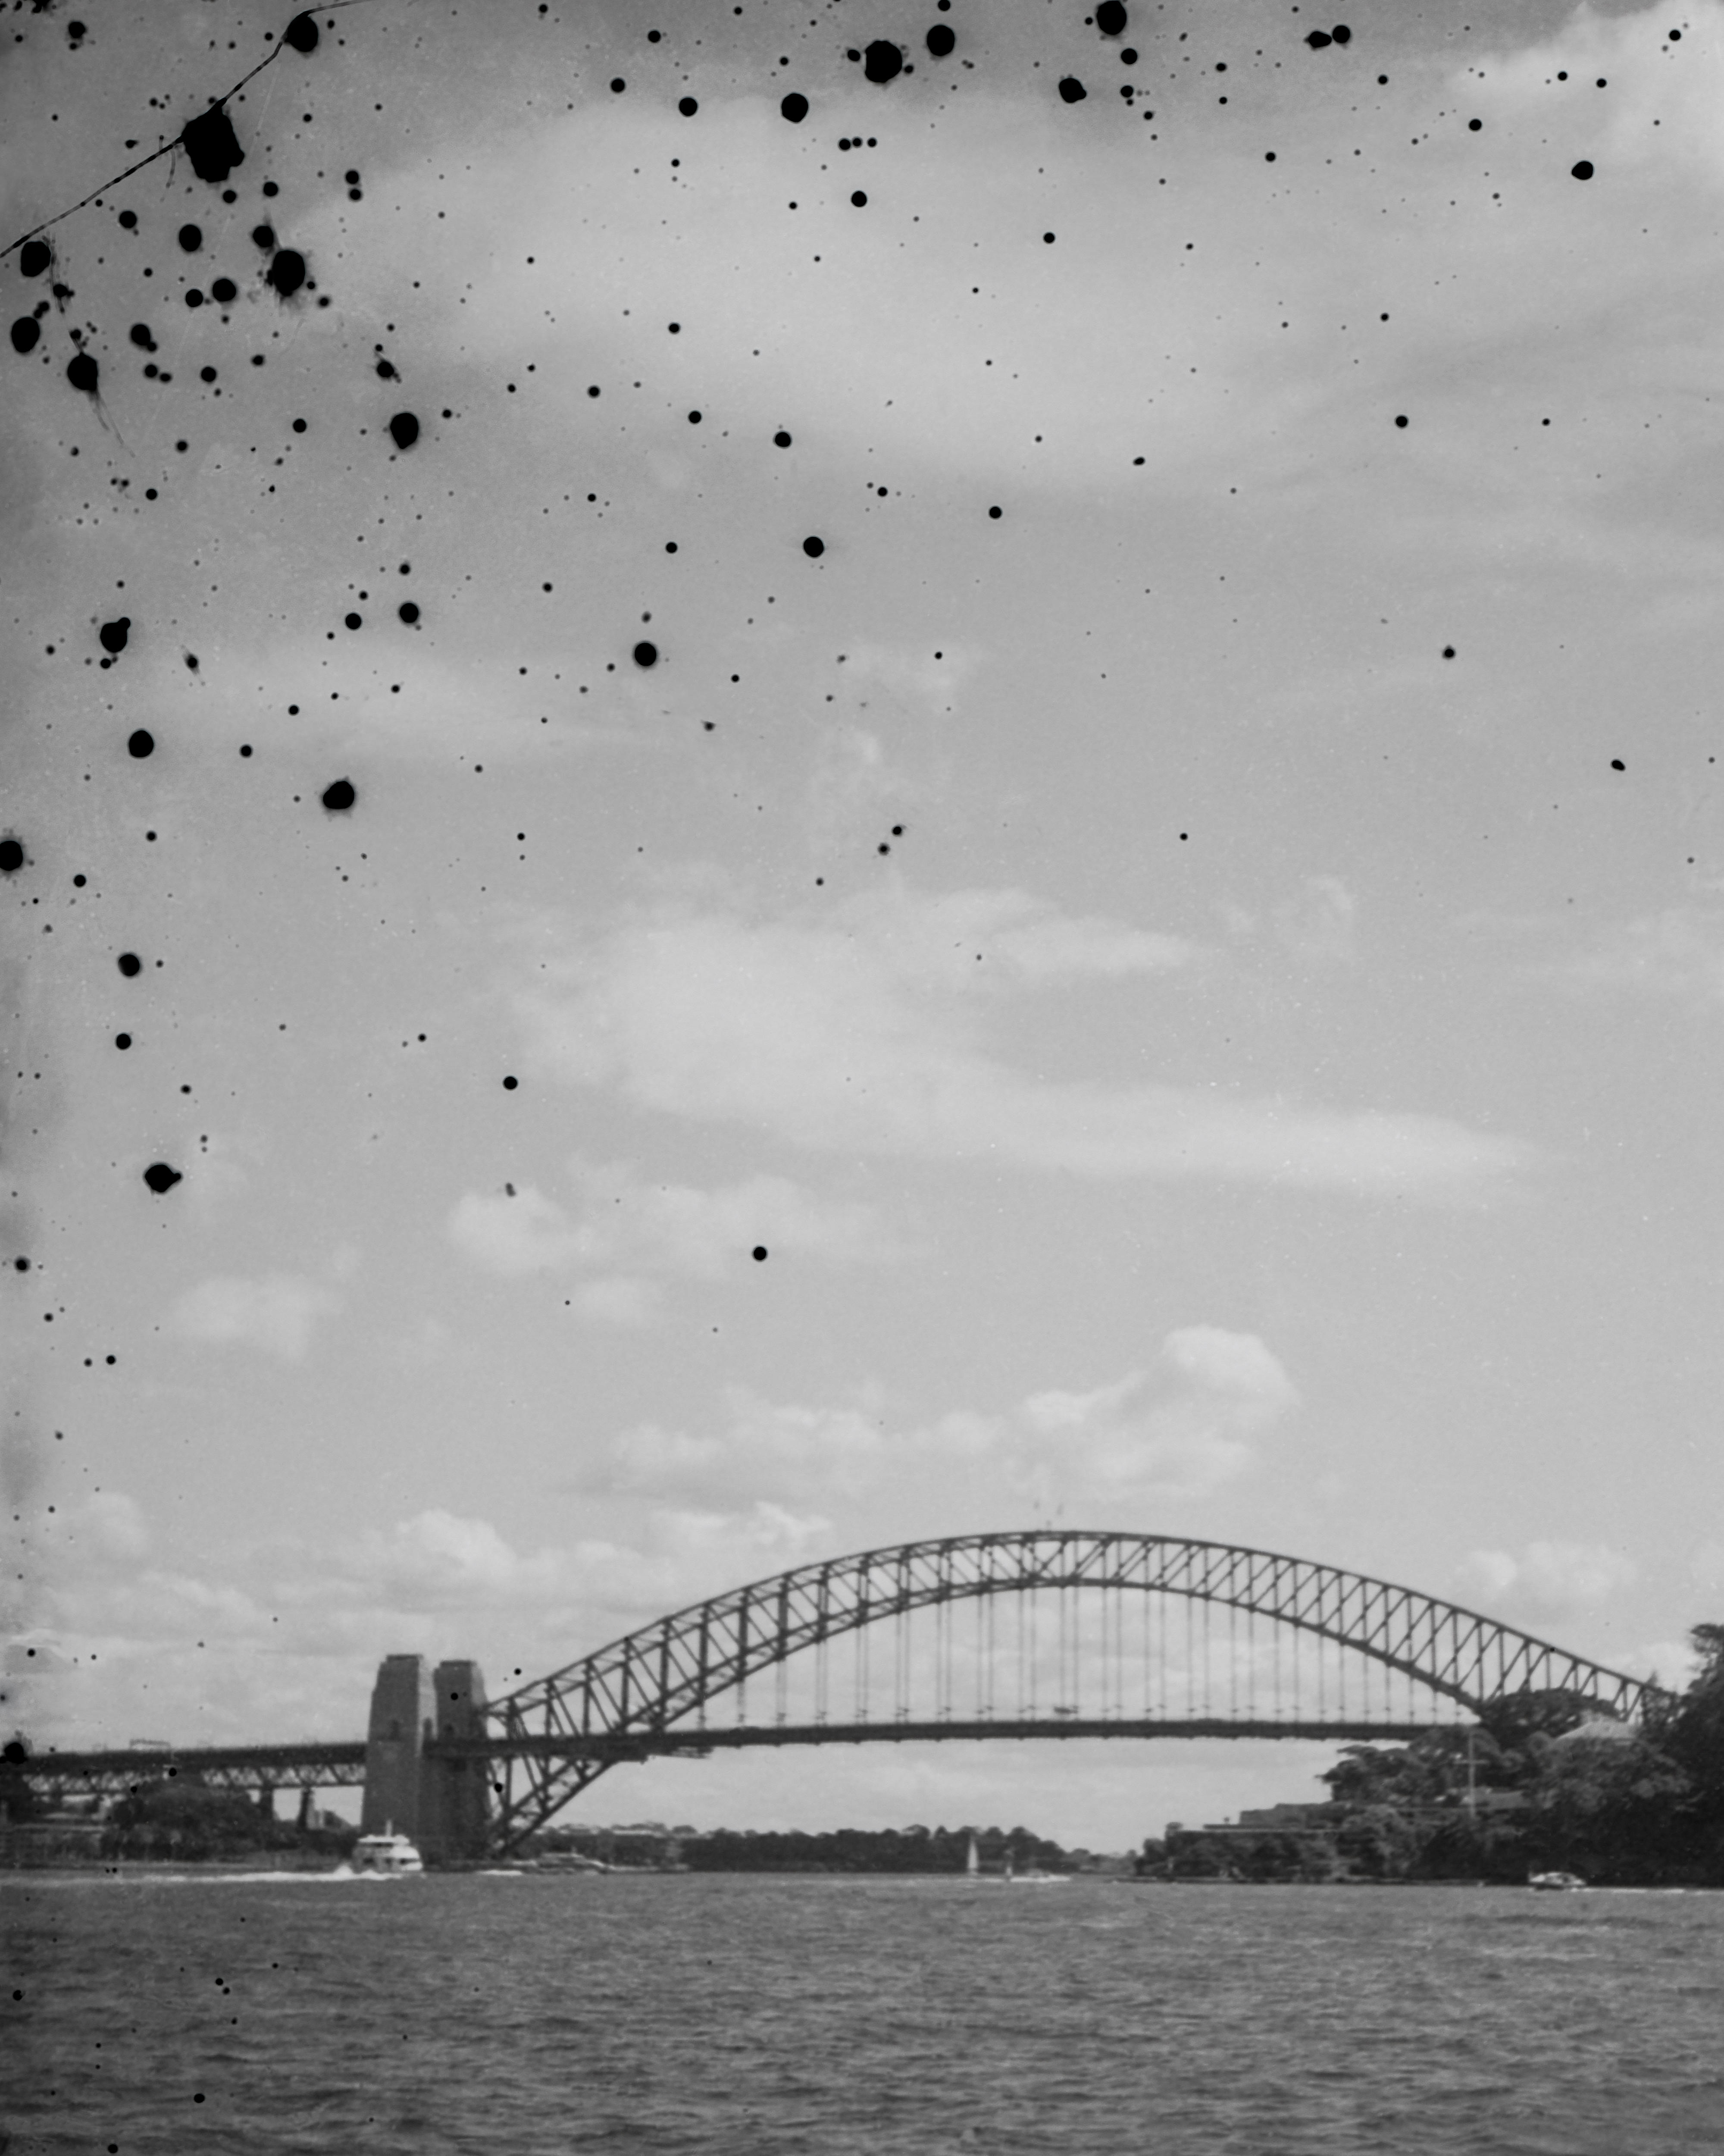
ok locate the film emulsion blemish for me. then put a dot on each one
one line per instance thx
(514, 518)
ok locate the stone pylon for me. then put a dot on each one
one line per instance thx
(454, 1794)
(402, 1715)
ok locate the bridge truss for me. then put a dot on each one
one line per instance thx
(1200, 1665)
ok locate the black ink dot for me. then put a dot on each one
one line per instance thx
(859, 199)
(1318, 39)
(194, 298)
(1047, 239)
(298, 426)
(12, 856)
(404, 430)
(33, 257)
(1617, 764)
(882, 60)
(795, 107)
(338, 796)
(694, 418)
(212, 145)
(82, 373)
(814, 548)
(407, 611)
(161, 1178)
(1583, 170)
(26, 332)
(618, 83)
(301, 34)
(286, 272)
(1474, 125)
(122, 1040)
(760, 1254)
(1110, 17)
(141, 337)
(130, 963)
(141, 742)
(113, 634)
(646, 655)
(996, 512)
(687, 106)
(781, 439)
(1400, 418)
(191, 238)
(1072, 90)
(224, 290)
(940, 40)
(264, 236)
(510, 1085)
(1448, 651)
(1342, 34)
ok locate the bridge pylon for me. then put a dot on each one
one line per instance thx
(441, 1802)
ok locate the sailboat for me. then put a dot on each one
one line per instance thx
(972, 1862)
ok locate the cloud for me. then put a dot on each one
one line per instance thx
(633, 1233)
(276, 1313)
(124, 1645)
(1317, 927)
(552, 257)
(1179, 1431)
(860, 1030)
(1679, 953)
(1545, 1579)
(1671, 1663)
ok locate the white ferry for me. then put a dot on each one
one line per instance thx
(386, 1856)
(1554, 1882)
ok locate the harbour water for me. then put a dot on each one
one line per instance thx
(730, 2016)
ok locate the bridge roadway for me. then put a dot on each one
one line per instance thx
(320, 1765)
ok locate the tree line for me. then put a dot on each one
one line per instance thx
(1547, 1782)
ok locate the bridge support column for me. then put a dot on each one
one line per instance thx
(402, 1717)
(454, 1794)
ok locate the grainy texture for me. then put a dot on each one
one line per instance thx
(532, 2016)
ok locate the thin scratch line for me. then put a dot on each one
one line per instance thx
(215, 104)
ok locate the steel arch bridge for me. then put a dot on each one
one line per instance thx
(647, 1693)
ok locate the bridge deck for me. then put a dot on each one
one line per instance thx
(331, 1764)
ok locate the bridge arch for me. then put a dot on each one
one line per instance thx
(648, 1692)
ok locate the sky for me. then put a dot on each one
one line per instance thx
(1091, 719)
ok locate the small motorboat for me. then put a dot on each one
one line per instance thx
(1035, 1876)
(1554, 1882)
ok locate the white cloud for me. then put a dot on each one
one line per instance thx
(852, 1030)
(631, 1233)
(1671, 1663)
(1317, 927)
(1178, 1431)
(276, 1313)
(515, 1231)
(1678, 952)
(1546, 1578)
(556, 250)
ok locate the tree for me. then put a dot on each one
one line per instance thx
(185, 1819)
(1377, 1842)
(1608, 1808)
(1694, 1731)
